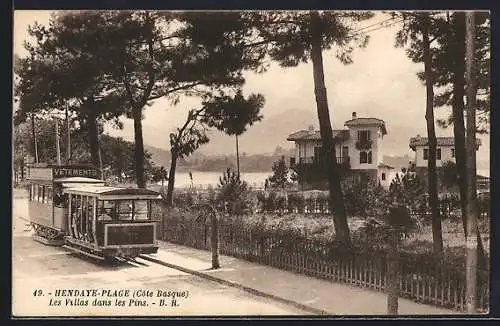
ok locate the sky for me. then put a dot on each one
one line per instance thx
(381, 83)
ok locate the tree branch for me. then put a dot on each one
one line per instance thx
(127, 85)
(175, 89)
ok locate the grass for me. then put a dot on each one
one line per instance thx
(320, 226)
(453, 234)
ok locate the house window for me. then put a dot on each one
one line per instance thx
(426, 154)
(383, 176)
(363, 135)
(452, 152)
(365, 157)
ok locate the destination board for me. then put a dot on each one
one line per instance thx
(75, 171)
(39, 173)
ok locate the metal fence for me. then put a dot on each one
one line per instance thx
(422, 278)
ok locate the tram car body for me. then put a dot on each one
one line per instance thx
(72, 206)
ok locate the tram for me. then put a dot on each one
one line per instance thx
(71, 206)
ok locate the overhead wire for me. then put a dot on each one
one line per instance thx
(381, 24)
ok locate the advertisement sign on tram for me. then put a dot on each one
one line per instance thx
(62, 171)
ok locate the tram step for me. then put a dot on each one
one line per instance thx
(46, 241)
(83, 252)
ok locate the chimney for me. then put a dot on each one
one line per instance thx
(311, 130)
(418, 136)
(354, 115)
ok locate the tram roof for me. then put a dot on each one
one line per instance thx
(112, 192)
(78, 180)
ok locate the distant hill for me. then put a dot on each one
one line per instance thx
(201, 162)
(160, 157)
(263, 137)
(398, 162)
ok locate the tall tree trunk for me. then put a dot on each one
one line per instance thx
(171, 178)
(472, 211)
(393, 272)
(437, 234)
(214, 239)
(139, 148)
(458, 107)
(95, 149)
(58, 142)
(330, 163)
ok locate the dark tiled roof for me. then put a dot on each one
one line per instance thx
(315, 135)
(367, 122)
(441, 141)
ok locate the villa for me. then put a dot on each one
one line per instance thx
(358, 149)
(445, 152)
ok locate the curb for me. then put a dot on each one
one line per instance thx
(238, 286)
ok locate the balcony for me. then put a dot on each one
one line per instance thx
(311, 160)
(364, 144)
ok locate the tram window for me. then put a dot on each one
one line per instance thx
(40, 194)
(141, 210)
(85, 206)
(58, 196)
(125, 210)
(48, 195)
(34, 192)
(106, 210)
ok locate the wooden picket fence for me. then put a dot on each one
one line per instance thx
(422, 279)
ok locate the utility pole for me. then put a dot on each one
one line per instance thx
(471, 209)
(58, 149)
(68, 137)
(237, 156)
(33, 131)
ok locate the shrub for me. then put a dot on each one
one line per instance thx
(184, 199)
(296, 202)
(361, 196)
(233, 196)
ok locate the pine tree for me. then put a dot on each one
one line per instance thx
(299, 36)
(280, 174)
(419, 31)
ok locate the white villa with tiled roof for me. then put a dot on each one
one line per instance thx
(358, 148)
(445, 150)
(445, 153)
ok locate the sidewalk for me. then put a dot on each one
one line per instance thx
(334, 298)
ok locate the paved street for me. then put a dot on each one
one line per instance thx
(49, 269)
